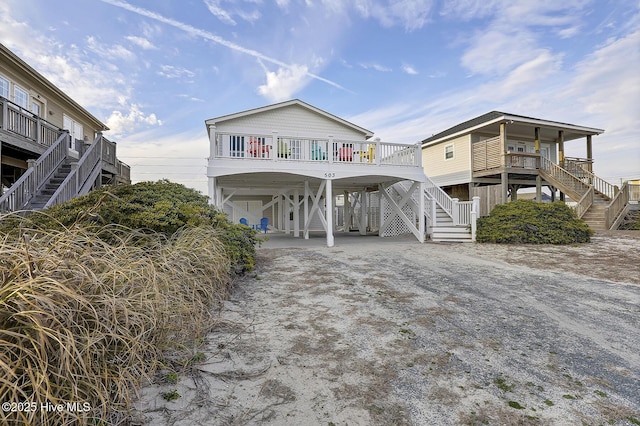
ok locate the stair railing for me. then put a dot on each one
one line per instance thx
(617, 205)
(438, 194)
(25, 188)
(600, 185)
(570, 183)
(82, 176)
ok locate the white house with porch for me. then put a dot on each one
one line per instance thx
(287, 164)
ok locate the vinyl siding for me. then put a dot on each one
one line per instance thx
(292, 120)
(448, 171)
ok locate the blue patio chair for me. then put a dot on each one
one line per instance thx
(317, 154)
(244, 221)
(264, 224)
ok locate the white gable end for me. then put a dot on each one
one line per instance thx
(291, 120)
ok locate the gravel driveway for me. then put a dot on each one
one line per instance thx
(390, 332)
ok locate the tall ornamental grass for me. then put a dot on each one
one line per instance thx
(83, 319)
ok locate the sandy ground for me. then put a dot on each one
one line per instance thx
(390, 332)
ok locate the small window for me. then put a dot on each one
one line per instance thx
(448, 152)
(4, 87)
(20, 97)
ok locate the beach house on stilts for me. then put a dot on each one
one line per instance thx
(291, 167)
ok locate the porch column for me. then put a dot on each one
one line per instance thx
(329, 212)
(213, 192)
(590, 153)
(538, 178)
(306, 209)
(561, 155)
(363, 212)
(346, 217)
(296, 213)
(212, 142)
(421, 212)
(504, 178)
(287, 213)
(561, 148)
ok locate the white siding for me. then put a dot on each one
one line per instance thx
(448, 171)
(292, 120)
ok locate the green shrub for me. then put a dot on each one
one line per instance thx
(161, 206)
(530, 222)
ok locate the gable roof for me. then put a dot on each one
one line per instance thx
(31, 73)
(298, 102)
(497, 117)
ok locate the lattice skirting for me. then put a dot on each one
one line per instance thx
(396, 225)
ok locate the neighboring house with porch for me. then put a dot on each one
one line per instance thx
(51, 148)
(496, 154)
(286, 164)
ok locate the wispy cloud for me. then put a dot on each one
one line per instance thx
(141, 42)
(412, 15)
(216, 39)
(409, 69)
(376, 67)
(170, 71)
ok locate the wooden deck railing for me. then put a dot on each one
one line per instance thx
(80, 180)
(23, 123)
(329, 150)
(617, 205)
(487, 154)
(24, 189)
(569, 184)
(600, 185)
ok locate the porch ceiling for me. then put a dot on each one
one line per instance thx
(526, 131)
(273, 180)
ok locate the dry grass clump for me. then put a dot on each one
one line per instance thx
(83, 320)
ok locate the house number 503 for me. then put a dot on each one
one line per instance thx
(329, 175)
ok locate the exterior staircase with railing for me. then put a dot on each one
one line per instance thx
(600, 204)
(55, 177)
(447, 219)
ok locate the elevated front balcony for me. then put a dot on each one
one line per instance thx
(250, 155)
(24, 129)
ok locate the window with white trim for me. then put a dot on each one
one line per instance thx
(4, 87)
(20, 96)
(448, 152)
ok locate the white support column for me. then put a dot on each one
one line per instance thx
(306, 209)
(287, 213)
(280, 213)
(363, 211)
(213, 192)
(329, 212)
(346, 217)
(296, 213)
(212, 142)
(475, 213)
(421, 212)
(380, 204)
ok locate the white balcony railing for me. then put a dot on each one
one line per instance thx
(329, 150)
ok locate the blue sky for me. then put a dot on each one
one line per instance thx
(154, 70)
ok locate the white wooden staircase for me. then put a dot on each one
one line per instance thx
(447, 219)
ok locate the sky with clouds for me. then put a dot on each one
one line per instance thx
(155, 70)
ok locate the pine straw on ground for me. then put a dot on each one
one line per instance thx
(84, 319)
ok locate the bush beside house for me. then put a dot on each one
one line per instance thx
(531, 222)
